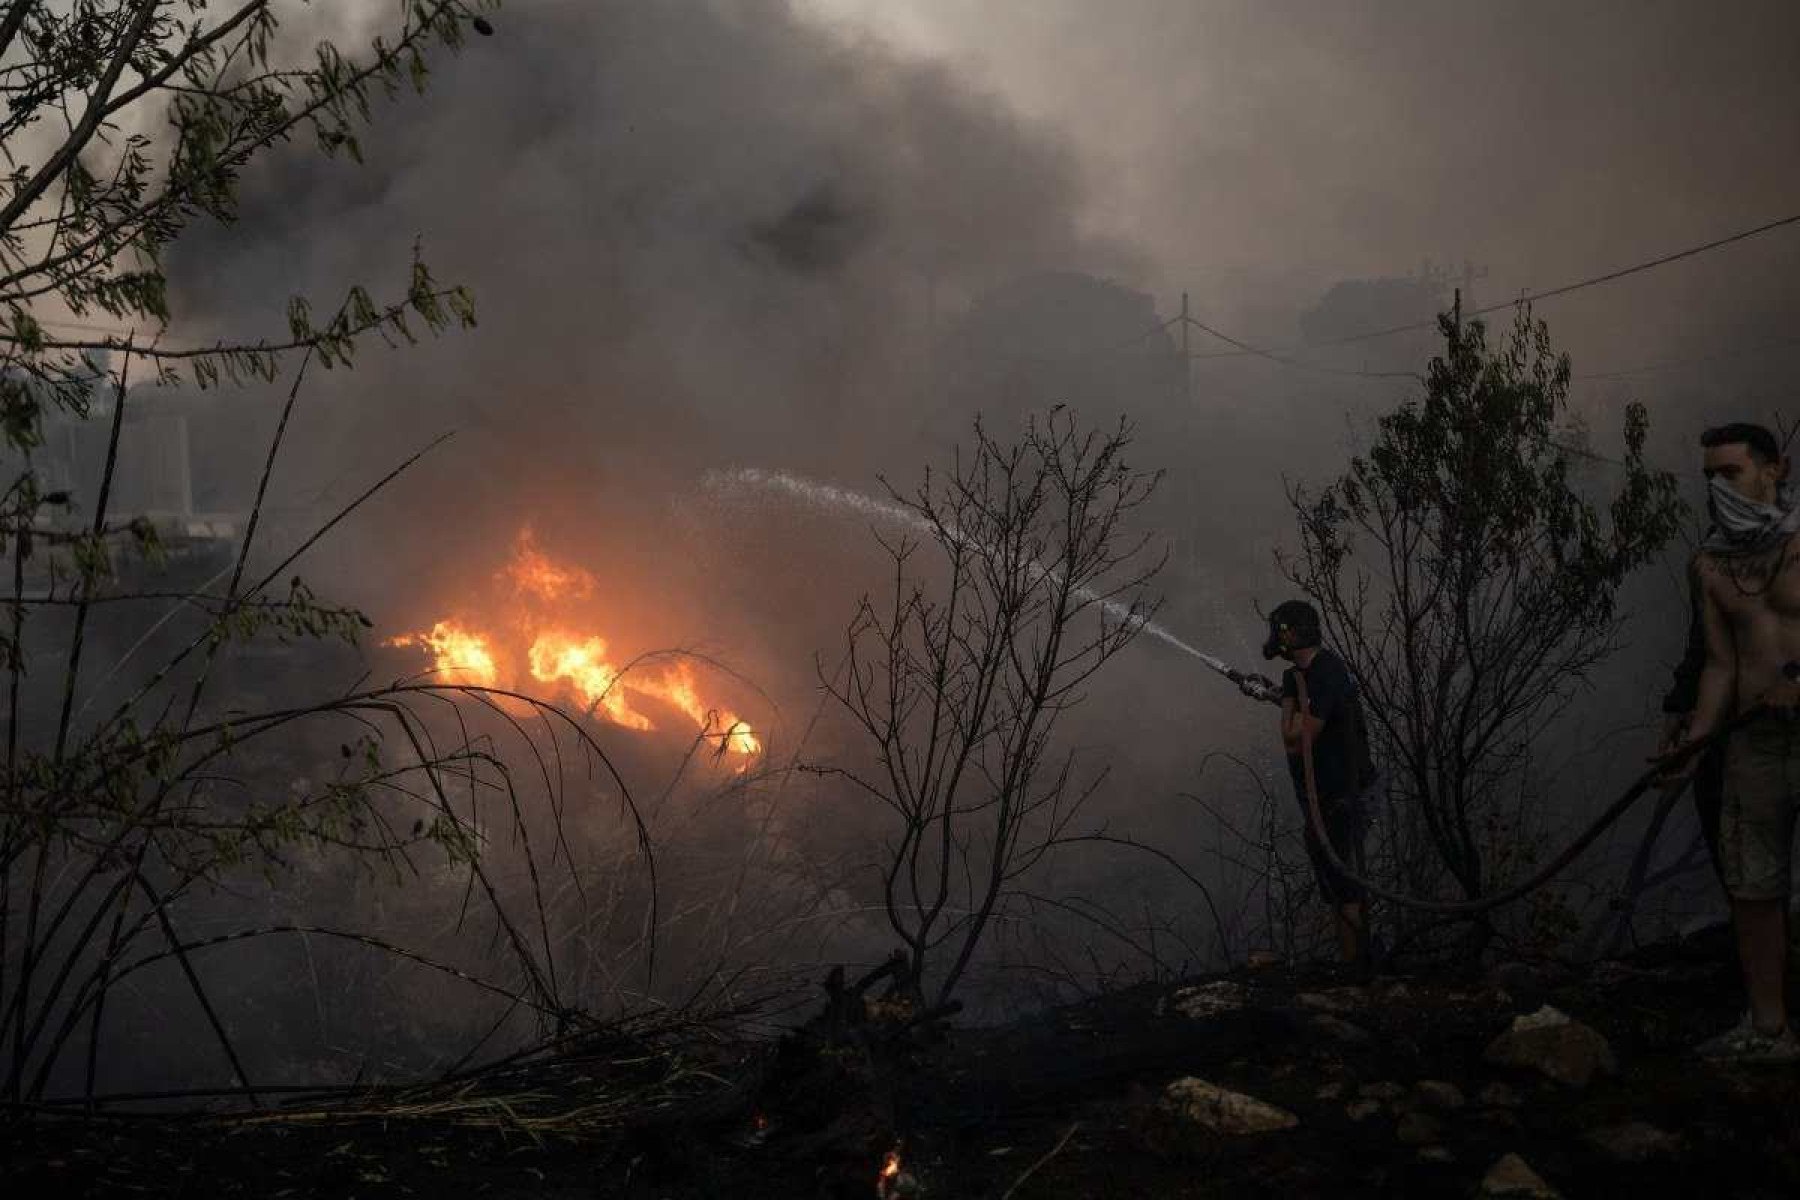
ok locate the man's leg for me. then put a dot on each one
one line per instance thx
(1352, 927)
(1762, 948)
(1755, 828)
(1344, 822)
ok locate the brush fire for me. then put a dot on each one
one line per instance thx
(541, 638)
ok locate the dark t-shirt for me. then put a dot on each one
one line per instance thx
(1340, 752)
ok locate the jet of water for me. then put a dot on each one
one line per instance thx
(824, 495)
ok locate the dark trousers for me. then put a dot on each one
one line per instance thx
(1347, 829)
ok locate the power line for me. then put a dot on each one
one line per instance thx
(1289, 362)
(1578, 376)
(1528, 298)
(1282, 355)
(1671, 364)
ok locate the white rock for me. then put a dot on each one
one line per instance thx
(1547, 1017)
(1211, 999)
(1513, 1177)
(1337, 1000)
(1554, 1043)
(1223, 1111)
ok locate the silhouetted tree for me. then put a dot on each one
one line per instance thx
(959, 679)
(124, 121)
(1471, 585)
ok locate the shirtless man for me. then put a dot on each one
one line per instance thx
(1749, 574)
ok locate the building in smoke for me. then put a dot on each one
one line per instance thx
(156, 482)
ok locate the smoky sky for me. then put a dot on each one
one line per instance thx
(1290, 141)
(698, 235)
(715, 234)
(820, 236)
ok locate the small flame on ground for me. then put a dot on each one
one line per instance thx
(890, 1167)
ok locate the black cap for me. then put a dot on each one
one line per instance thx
(1298, 616)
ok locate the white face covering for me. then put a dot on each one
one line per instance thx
(1744, 526)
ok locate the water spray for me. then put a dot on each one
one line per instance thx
(824, 495)
(1258, 687)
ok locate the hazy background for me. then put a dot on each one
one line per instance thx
(821, 236)
(805, 237)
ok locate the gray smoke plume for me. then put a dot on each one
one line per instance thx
(698, 235)
(712, 235)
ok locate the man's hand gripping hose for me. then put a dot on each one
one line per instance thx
(1258, 687)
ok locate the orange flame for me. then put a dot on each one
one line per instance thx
(581, 663)
(534, 573)
(677, 688)
(890, 1167)
(576, 661)
(459, 653)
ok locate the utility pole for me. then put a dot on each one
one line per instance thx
(1187, 364)
(1469, 276)
(1189, 544)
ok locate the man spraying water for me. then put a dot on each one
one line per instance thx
(1327, 745)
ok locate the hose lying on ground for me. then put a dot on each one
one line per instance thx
(1550, 870)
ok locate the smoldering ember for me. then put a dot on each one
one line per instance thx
(823, 598)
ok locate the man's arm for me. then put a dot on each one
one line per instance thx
(1718, 678)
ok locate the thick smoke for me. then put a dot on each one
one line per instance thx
(715, 235)
(1262, 151)
(719, 234)
(698, 235)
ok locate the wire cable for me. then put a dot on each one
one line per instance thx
(1290, 362)
(1673, 363)
(1527, 298)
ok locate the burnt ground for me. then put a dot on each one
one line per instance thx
(1075, 1092)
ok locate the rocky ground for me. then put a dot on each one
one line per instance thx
(1526, 1081)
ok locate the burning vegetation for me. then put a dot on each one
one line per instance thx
(537, 634)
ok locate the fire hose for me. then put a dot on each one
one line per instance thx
(1618, 808)
(1257, 687)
